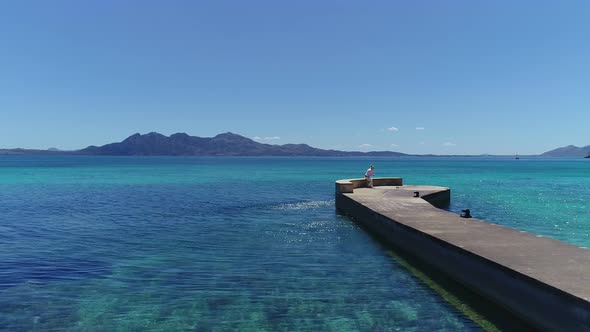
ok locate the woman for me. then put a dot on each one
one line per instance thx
(369, 176)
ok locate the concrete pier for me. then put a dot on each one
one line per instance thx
(543, 281)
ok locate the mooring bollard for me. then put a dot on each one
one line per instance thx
(465, 213)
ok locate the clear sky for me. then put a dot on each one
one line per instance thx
(500, 77)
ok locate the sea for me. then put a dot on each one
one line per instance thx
(93, 243)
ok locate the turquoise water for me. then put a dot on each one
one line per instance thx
(249, 244)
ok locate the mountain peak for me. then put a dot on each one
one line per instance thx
(228, 134)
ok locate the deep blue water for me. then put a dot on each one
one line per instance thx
(249, 244)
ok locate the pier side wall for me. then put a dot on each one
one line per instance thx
(543, 306)
(440, 199)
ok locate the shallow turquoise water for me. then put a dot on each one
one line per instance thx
(216, 244)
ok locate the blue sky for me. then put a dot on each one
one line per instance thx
(499, 77)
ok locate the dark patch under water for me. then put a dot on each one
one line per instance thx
(48, 268)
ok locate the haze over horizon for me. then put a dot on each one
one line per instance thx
(418, 78)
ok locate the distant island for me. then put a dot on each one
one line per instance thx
(230, 144)
(568, 151)
(181, 144)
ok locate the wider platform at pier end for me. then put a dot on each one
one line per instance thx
(543, 281)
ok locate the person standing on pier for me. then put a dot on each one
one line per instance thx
(369, 176)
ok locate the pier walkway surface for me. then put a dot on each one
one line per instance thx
(543, 281)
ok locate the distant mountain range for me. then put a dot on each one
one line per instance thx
(230, 144)
(181, 144)
(568, 151)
